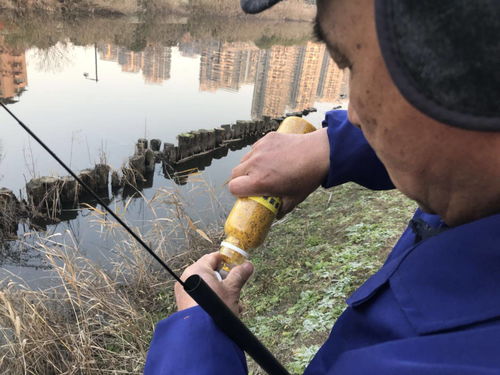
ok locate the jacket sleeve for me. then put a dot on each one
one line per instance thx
(189, 343)
(470, 352)
(351, 157)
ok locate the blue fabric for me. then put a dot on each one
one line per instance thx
(188, 342)
(351, 157)
(432, 309)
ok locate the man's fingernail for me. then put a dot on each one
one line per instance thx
(218, 275)
(247, 266)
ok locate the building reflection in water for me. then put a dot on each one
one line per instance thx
(228, 65)
(285, 78)
(13, 74)
(154, 62)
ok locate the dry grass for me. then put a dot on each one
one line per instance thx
(91, 320)
(95, 321)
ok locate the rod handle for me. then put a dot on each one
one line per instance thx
(231, 325)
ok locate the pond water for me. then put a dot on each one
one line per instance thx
(90, 88)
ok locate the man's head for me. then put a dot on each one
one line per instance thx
(422, 155)
(405, 104)
(442, 55)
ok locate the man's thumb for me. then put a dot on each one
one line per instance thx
(239, 186)
(239, 275)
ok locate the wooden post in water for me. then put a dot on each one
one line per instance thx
(143, 142)
(204, 139)
(137, 163)
(69, 190)
(185, 142)
(101, 176)
(116, 182)
(236, 130)
(155, 144)
(211, 140)
(149, 161)
(169, 153)
(227, 131)
(197, 142)
(219, 136)
(9, 214)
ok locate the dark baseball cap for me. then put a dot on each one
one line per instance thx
(257, 6)
(444, 56)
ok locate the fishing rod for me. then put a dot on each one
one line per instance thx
(194, 285)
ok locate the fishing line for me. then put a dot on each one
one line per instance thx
(194, 285)
(95, 196)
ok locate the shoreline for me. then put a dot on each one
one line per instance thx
(312, 260)
(43, 30)
(292, 10)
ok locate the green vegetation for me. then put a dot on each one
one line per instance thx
(101, 321)
(313, 260)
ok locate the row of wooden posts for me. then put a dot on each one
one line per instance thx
(203, 140)
(194, 151)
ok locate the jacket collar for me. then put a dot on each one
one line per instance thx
(445, 281)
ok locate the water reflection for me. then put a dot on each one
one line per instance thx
(180, 172)
(295, 77)
(13, 73)
(96, 69)
(285, 71)
(157, 79)
(288, 71)
(154, 61)
(284, 77)
(226, 65)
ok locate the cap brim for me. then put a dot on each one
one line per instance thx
(257, 6)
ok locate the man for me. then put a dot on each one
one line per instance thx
(424, 99)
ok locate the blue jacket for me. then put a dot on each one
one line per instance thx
(432, 309)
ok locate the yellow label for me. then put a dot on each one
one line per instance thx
(271, 203)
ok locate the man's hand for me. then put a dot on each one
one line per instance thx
(290, 166)
(228, 290)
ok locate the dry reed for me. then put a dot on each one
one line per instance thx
(91, 320)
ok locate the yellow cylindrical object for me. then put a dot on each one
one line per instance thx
(250, 218)
(295, 125)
